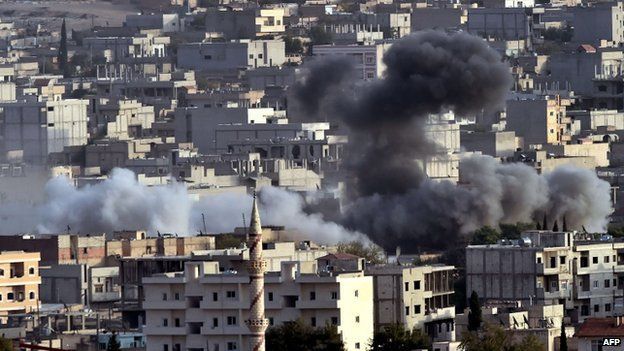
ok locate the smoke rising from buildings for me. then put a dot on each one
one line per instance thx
(436, 213)
(390, 199)
(121, 203)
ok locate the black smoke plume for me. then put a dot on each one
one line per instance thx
(390, 198)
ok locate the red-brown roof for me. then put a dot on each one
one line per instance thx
(586, 48)
(600, 327)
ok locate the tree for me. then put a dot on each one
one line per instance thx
(62, 53)
(495, 338)
(319, 36)
(514, 231)
(563, 339)
(474, 315)
(395, 337)
(299, 336)
(293, 45)
(6, 344)
(113, 344)
(228, 241)
(371, 253)
(484, 236)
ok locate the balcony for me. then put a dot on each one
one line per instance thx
(318, 304)
(194, 315)
(171, 331)
(225, 330)
(164, 305)
(224, 304)
(106, 296)
(440, 313)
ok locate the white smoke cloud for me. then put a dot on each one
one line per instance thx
(122, 203)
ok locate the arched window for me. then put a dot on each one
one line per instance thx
(31, 270)
(31, 295)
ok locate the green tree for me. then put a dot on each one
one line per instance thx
(293, 45)
(319, 36)
(484, 236)
(395, 337)
(62, 53)
(495, 338)
(6, 344)
(113, 344)
(563, 339)
(371, 252)
(299, 336)
(474, 315)
(227, 241)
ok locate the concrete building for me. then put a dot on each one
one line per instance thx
(65, 283)
(368, 58)
(231, 56)
(495, 144)
(121, 119)
(117, 49)
(245, 24)
(539, 120)
(19, 290)
(61, 248)
(571, 269)
(592, 333)
(436, 18)
(41, 128)
(508, 3)
(599, 23)
(394, 24)
(205, 308)
(499, 23)
(419, 297)
(168, 22)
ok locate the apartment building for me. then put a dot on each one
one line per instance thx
(539, 120)
(19, 288)
(43, 127)
(20, 281)
(233, 55)
(583, 272)
(203, 308)
(416, 296)
(368, 58)
(61, 248)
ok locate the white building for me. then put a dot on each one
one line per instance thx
(204, 309)
(419, 297)
(41, 128)
(573, 269)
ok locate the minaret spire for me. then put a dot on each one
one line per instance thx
(256, 266)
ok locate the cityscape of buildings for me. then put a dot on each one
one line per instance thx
(375, 175)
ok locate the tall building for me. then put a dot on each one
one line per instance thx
(580, 271)
(419, 297)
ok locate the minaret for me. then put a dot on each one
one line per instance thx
(256, 266)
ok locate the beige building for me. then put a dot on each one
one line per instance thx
(203, 308)
(416, 296)
(19, 288)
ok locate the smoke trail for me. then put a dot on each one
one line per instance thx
(121, 203)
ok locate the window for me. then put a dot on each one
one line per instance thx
(99, 288)
(176, 322)
(165, 347)
(215, 296)
(607, 283)
(417, 309)
(31, 295)
(606, 259)
(357, 345)
(539, 260)
(208, 57)
(164, 296)
(215, 322)
(596, 308)
(608, 307)
(553, 262)
(176, 296)
(50, 108)
(406, 286)
(562, 259)
(0, 297)
(313, 321)
(231, 345)
(165, 322)
(595, 283)
(85, 250)
(1, 272)
(334, 295)
(334, 320)
(230, 294)
(271, 321)
(416, 284)
(407, 310)
(357, 293)
(596, 345)
(313, 295)
(584, 310)
(270, 296)
(10, 296)
(31, 270)
(357, 319)
(231, 320)
(595, 260)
